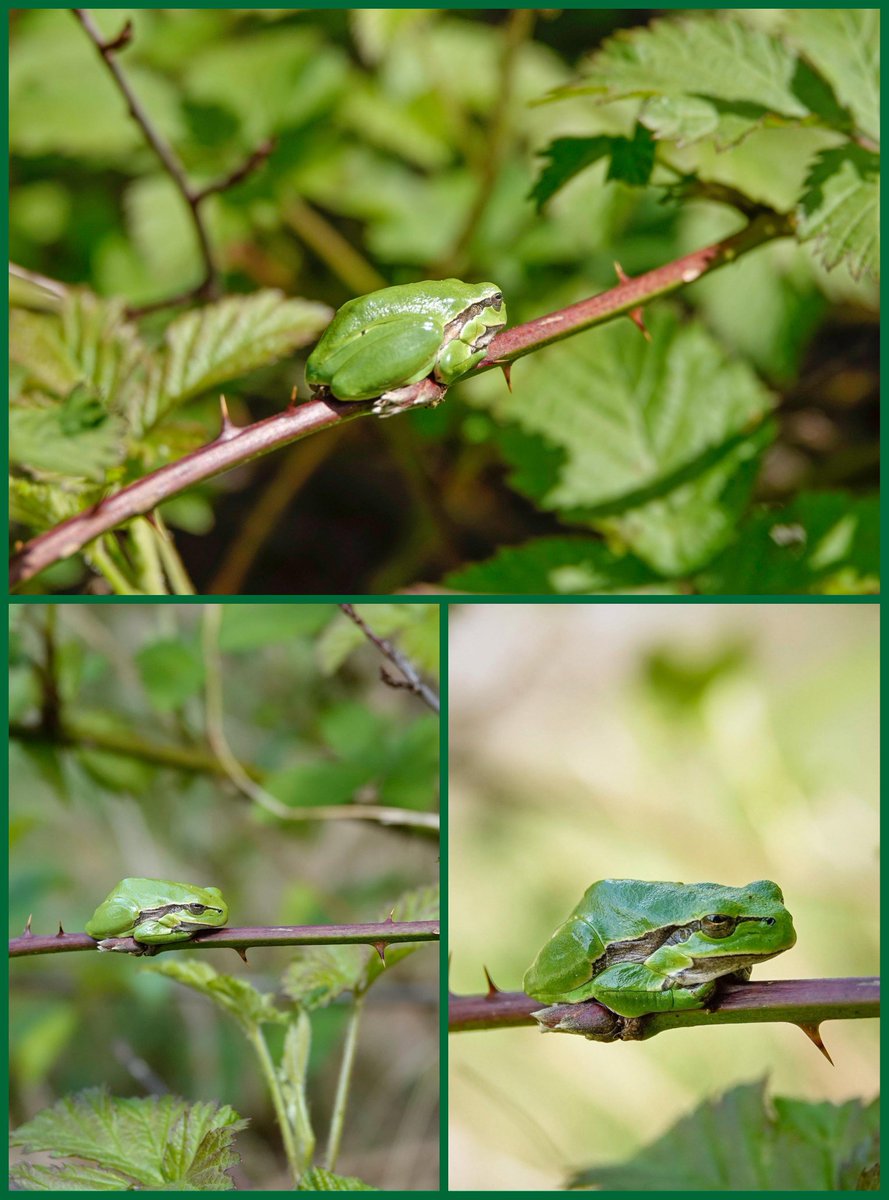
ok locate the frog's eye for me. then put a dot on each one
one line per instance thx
(716, 925)
(196, 909)
(496, 300)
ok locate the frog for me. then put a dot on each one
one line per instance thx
(640, 947)
(403, 346)
(155, 912)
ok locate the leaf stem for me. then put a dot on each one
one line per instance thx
(267, 1067)
(342, 1088)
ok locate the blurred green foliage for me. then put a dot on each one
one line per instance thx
(112, 774)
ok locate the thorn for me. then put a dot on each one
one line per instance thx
(813, 1033)
(380, 948)
(635, 314)
(61, 932)
(123, 39)
(493, 989)
(228, 429)
(241, 953)
(291, 403)
(506, 368)
(390, 920)
(28, 932)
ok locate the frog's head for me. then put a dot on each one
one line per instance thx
(746, 925)
(206, 910)
(468, 334)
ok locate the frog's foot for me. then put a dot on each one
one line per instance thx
(424, 394)
(126, 945)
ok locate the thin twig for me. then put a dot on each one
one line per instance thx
(247, 167)
(412, 680)
(215, 730)
(209, 286)
(169, 160)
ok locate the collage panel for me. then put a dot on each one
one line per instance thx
(646, 804)
(224, 900)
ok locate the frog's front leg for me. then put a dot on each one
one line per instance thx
(166, 927)
(633, 990)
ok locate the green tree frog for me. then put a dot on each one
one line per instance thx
(380, 344)
(640, 947)
(155, 911)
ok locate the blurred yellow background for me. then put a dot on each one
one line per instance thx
(674, 741)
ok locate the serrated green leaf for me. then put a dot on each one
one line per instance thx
(632, 160)
(677, 532)
(41, 437)
(844, 45)
(801, 1147)
(226, 340)
(40, 505)
(825, 542)
(567, 157)
(656, 442)
(554, 566)
(419, 904)
(321, 1180)
(244, 1002)
(154, 1142)
(37, 345)
(106, 347)
(702, 76)
(840, 209)
(319, 974)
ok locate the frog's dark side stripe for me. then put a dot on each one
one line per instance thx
(639, 948)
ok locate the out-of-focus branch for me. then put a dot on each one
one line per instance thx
(412, 680)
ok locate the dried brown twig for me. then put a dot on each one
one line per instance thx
(412, 680)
